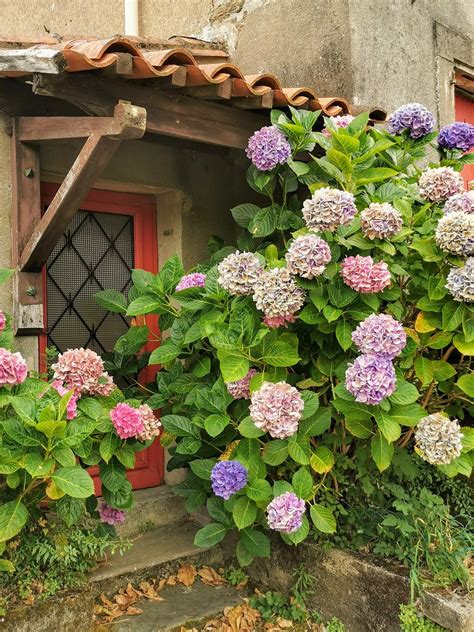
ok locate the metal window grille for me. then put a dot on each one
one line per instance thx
(95, 253)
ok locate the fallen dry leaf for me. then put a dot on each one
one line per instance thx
(161, 584)
(123, 600)
(133, 611)
(150, 592)
(186, 575)
(171, 581)
(285, 624)
(210, 577)
(106, 601)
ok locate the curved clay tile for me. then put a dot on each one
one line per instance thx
(178, 56)
(267, 80)
(332, 106)
(96, 49)
(242, 88)
(77, 61)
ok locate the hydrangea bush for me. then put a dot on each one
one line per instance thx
(52, 431)
(341, 326)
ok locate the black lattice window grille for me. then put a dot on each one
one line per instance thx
(95, 253)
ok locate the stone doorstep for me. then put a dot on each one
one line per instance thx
(155, 553)
(154, 507)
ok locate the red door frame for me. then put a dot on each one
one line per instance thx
(464, 111)
(149, 466)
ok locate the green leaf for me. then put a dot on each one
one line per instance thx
(202, 366)
(263, 223)
(345, 143)
(424, 370)
(142, 279)
(280, 350)
(299, 450)
(323, 518)
(375, 174)
(215, 424)
(164, 353)
(302, 482)
(382, 451)
(464, 346)
(443, 370)
(248, 429)
(132, 341)
(108, 446)
(36, 466)
(360, 428)
(468, 439)
(466, 384)
(216, 509)
(202, 468)
(359, 124)
(408, 415)
(5, 274)
(258, 489)
(113, 475)
(234, 366)
(6, 566)
(244, 213)
(112, 301)
(64, 456)
(300, 534)
(388, 426)
(311, 403)
(344, 334)
(126, 455)
(73, 481)
(179, 426)
(275, 452)
(256, 542)
(317, 424)
(452, 315)
(244, 512)
(405, 393)
(331, 313)
(146, 304)
(322, 460)
(70, 509)
(13, 517)
(210, 535)
(339, 160)
(440, 340)
(244, 558)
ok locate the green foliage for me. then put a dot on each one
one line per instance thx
(343, 451)
(49, 556)
(412, 621)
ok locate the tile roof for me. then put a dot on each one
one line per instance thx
(186, 63)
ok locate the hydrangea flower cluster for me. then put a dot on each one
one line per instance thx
(109, 515)
(380, 221)
(461, 202)
(457, 135)
(285, 513)
(380, 333)
(13, 368)
(196, 279)
(3, 321)
(127, 421)
(151, 425)
(277, 409)
(83, 370)
(277, 296)
(365, 276)
(414, 118)
(239, 272)
(339, 121)
(329, 208)
(308, 256)
(439, 184)
(71, 410)
(227, 478)
(240, 389)
(455, 233)
(371, 378)
(438, 439)
(267, 148)
(460, 282)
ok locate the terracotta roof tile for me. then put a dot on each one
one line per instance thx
(194, 62)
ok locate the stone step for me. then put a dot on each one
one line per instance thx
(155, 553)
(182, 606)
(154, 507)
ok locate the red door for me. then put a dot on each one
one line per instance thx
(464, 108)
(111, 234)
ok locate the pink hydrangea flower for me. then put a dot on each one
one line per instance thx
(339, 121)
(71, 410)
(277, 409)
(151, 424)
(83, 370)
(365, 276)
(279, 321)
(439, 184)
(462, 202)
(308, 256)
(127, 421)
(196, 279)
(109, 515)
(13, 369)
(285, 513)
(3, 321)
(380, 221)
(327, 209)
(240, 389)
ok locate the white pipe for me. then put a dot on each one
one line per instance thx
(131, 17)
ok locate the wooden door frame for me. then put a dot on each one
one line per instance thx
(142, 208)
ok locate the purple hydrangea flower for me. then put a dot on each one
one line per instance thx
(440, 183)
(380, 221)
(240, 389)
(285, 513)
(380, 333)
(413, 117)
(277, 409)
(457, 136)
(460, 282)
(461, 202)
(371, 378)
(268, 147)
(227, 478)
(328, 209)
(196, 279)
(308, 256)
(110, 515)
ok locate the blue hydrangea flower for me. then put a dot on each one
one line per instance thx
(413, 117)
(268, 147)
(457, 136)
(227, 477)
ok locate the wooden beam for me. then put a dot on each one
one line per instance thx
(29, 60)
(211, 91)
(87, 167)
(170, 115)
(128, 122)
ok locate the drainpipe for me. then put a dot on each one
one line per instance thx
(131, 17)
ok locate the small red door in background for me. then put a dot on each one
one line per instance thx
(111, 234)
(464, 110)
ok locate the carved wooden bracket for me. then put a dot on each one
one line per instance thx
(35, 234)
